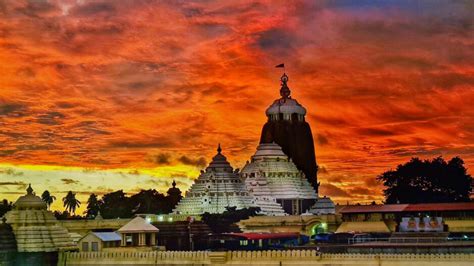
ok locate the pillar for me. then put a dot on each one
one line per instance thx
(153, 239)
(123, 242)
(141, 239)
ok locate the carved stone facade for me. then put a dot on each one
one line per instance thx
(216, 188)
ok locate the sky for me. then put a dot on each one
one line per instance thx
(97, 96)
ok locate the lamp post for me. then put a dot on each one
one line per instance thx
(190, 220)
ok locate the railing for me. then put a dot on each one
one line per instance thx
(413, 240)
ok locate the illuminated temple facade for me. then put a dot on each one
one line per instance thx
(276, 183)
(216, 188)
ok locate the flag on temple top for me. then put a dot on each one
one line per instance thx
(280, 65)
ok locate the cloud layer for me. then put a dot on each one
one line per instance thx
(148, 84)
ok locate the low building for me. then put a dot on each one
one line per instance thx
(97, 241)
(387, 218)
(138, 232)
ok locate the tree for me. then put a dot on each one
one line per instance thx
(70, 202)
(48, 198)
(116, 205)
(93, 206)
(148, 201)
(5, 207)
(424, 181)
(222, 222)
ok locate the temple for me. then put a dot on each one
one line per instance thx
(287, 127)
(216, 188)
(38, 235)
(276, 183)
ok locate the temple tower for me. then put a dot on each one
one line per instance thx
(216, 188)
(275, 182)
(287, 127)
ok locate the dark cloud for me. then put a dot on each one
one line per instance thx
(279, 40)
(12, 109)
(69, 181)
(360, 191)
(375, 132)
(10, 172)
(199, 162)
(50, 118)
(161, 159)
(93, 8)
(16, 183)
(322, 140)
(332, 191)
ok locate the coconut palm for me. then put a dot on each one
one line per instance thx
(48, 198)
(70, 202)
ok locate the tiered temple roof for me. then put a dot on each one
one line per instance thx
(271, 175)
(216, 188)
(35, 228)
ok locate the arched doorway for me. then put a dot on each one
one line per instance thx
(318, 228)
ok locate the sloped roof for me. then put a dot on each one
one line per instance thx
(373, 208)
(108, 236)
(455, 206)
(137, 225)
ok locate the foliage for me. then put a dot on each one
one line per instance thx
(148, 201)
(116, 205)
(222, 222)
(48, 198)
(5, 207)
(65, 215)
(424, 181)
(70, 202)
(93, 206)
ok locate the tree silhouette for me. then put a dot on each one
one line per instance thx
(93, 206)
(148, 201)
(5, 207)
(422, 181)
(48, 198)
(222, 222)
(70, 202)
(116, 205)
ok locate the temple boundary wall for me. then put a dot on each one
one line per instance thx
(273, 257)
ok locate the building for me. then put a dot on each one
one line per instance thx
(276, 183)
(97, 241)
(287, 127)
(217, 188)
(38, 235)
(138, 232)
(323, 205)
(456, 217)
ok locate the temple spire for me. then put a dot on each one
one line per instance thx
(219, 149)
(284, 90)
(29, 190)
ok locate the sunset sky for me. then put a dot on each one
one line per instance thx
(97, 96)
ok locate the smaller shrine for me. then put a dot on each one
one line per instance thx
(217, 188)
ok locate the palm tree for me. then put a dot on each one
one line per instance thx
(70, 202)
(48, 198)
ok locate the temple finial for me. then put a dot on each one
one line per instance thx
(284, 91)
(29, 190)
(173, 184)
(219, 149)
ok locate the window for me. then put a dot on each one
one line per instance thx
(95, 246)
(85, 246)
